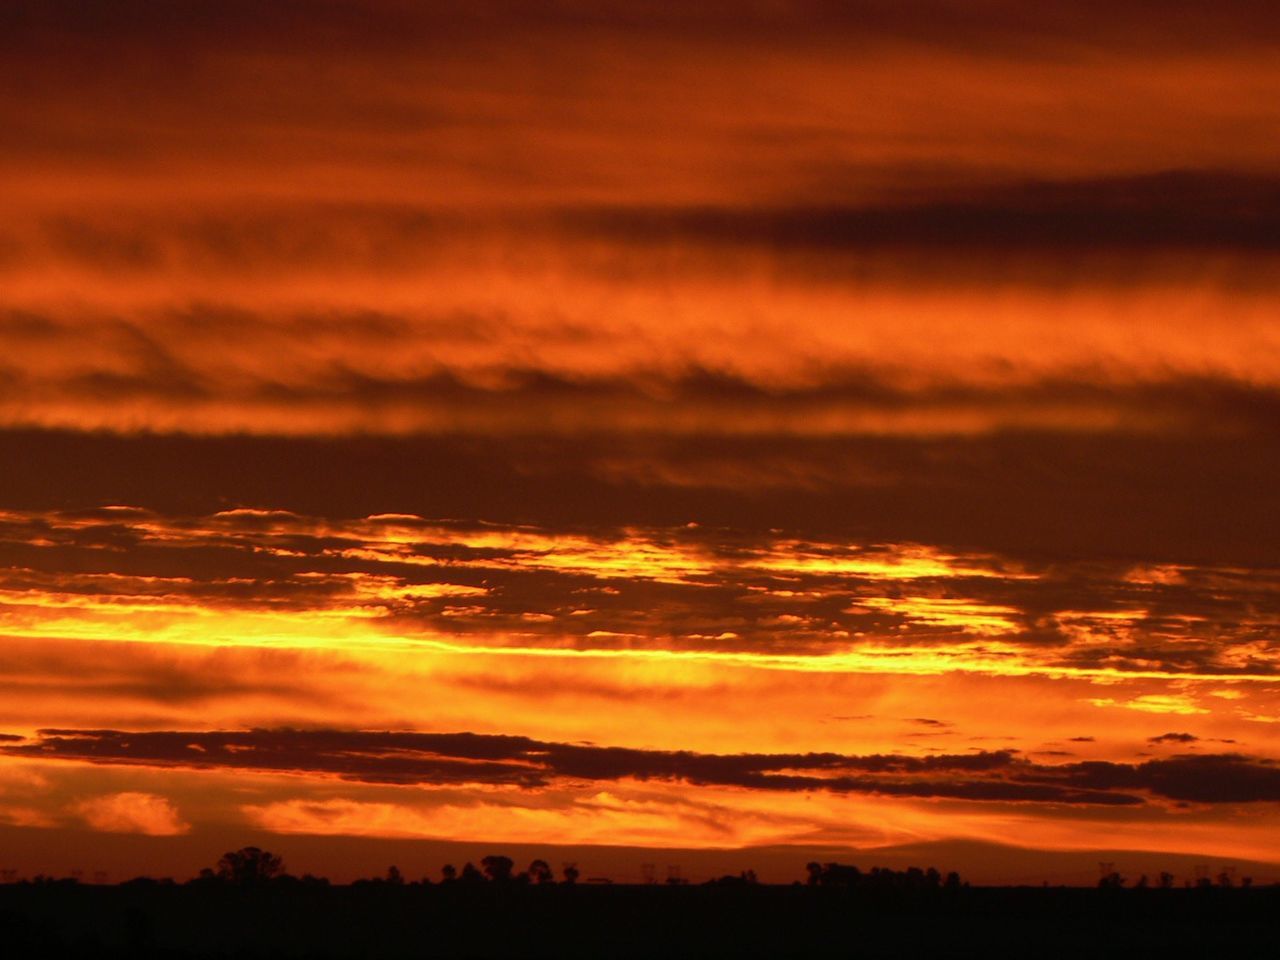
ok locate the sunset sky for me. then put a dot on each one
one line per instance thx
(711, 434)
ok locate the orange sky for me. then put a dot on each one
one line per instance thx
(791, 426)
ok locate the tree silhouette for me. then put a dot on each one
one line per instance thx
(498, 868)
(449, 873)
(249, 866)
(470, 874)
(1111, 881)
(570, 874)
(540, 872)
(840, 875)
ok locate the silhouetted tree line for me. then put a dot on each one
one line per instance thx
(251, 867)
(1225, 879)
(247, 905)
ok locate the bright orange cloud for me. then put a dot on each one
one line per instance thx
(143, 813)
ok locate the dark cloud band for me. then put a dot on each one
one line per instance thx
(467, 758)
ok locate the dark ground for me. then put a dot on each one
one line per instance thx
(383, 920)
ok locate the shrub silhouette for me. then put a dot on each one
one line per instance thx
(913, 879)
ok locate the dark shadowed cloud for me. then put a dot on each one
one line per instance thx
(423, 758)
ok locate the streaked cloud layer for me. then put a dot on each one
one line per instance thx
(266, 577)
(793, 423)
